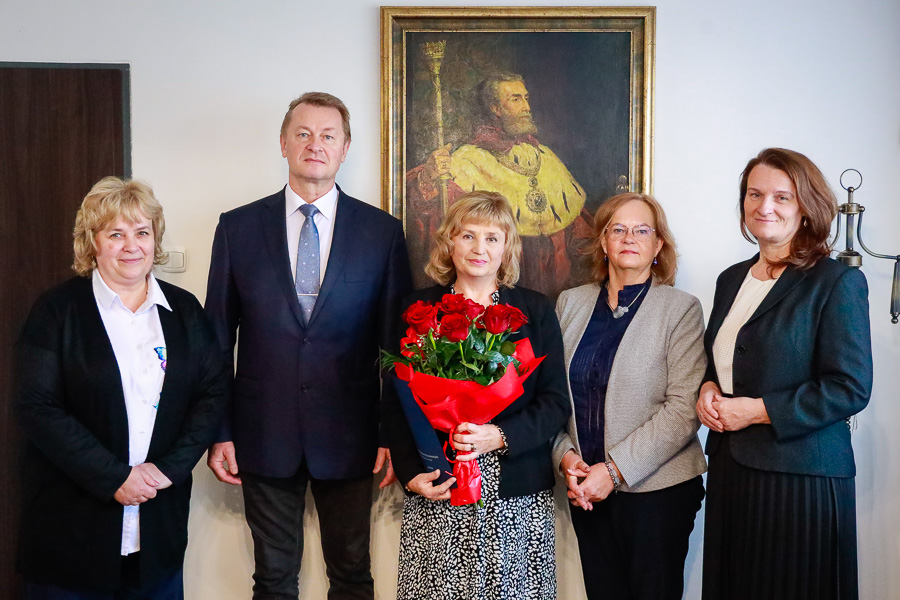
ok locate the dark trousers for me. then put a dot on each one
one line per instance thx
(274, 510)
(170, 587)
(633, 545)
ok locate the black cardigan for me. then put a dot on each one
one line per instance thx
(71, 407)
(530, 423)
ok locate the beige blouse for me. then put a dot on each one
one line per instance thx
(748, 299)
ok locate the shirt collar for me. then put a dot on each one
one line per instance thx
(327, 204)
(105, 296)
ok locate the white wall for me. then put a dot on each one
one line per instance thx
(210, 82)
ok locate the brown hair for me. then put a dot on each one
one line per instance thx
(818, 205)
(488, 90)
(109, 200)
(667, 258)
(476, 208)
(319, 99)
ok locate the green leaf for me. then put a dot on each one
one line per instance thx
(483, 379)
(477, 344)
(447, 351)
(494, 356)
(507, 348)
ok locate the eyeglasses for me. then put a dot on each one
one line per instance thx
(617, 232)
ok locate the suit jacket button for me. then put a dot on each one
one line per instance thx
(304, 388)
(306, 341)
(740, 349)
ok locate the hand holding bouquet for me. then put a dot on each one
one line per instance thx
(460, 367)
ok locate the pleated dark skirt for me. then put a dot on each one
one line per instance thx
(777, 535)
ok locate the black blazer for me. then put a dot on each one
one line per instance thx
(807, 353)
(71, 407)
(305, 392)
(530, 423)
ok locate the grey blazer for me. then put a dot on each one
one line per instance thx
(650, 419)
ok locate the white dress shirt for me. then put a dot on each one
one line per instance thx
(748, 299)
(324, 219)
(140, 349)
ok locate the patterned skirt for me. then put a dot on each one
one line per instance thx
(504, 550)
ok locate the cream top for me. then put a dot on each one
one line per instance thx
(748, 299)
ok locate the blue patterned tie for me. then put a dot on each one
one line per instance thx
(306, 281)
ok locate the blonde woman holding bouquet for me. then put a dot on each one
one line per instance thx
(501, 547)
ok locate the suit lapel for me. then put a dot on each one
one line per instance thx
(725, 297)
(582, 308)
(100, 358)
(274, 232)
(341, 243)
(786, 282)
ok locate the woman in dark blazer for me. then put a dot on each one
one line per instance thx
(790, 361)
(505, 549)
(120, 390)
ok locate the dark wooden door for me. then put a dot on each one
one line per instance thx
(62, 128)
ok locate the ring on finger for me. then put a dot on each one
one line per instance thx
(474, 448)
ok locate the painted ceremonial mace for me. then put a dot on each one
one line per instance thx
(434, 52)
(851, 257)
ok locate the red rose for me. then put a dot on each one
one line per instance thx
(421, 317)
(455, 327)
(496, 318)
(500, 318)
(412, 339)
(457, 304)
(516, 318)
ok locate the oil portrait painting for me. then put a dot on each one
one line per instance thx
(551, 108)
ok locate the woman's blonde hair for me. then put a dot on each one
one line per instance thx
(667, 258)
(109, 200)
(476, 208)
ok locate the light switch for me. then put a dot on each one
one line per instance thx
(177, 262)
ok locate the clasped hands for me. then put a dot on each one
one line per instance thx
(586, 484)
(471, 441)
(142, 484)
(720, 413)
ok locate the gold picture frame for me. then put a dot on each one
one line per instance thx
(587, 73)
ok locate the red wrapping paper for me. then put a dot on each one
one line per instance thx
(448, 402)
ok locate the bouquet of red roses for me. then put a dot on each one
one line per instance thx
(460, 367)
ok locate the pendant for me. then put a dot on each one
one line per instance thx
(619, 312)
(536, 201)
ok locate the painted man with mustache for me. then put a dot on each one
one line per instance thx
(505, 157)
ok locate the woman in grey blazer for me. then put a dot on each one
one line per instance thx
(635, 359)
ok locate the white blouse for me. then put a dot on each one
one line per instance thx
(748, 299)
(140, 349)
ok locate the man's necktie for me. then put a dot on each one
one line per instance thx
(306, 281)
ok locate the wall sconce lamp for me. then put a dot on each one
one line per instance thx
(851, 257)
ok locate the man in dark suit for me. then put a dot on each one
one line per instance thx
(312, 278)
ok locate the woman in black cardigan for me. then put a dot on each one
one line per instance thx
(504, 549)
(790, 361)
(121, 388)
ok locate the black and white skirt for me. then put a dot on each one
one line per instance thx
(504, 550)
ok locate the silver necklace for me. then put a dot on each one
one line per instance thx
(620, 311)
